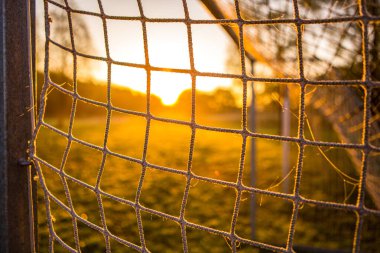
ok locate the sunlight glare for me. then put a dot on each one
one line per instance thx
(168, 86)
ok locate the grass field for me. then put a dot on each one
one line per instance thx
(216, 155)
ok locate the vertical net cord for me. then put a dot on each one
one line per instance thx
(52, 235)
(365, 138)
(108, 120)
(37, 127)
(70, 129)
(239, 185)
(147, 130)
(301, 123)
(193, 127)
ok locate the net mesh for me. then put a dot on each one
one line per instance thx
(263, 31)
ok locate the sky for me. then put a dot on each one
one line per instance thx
(167, 43)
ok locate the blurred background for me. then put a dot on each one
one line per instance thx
(334, 113)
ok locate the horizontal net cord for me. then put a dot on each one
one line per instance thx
(173, 218)
(246, 133)
(232, 185)
(177, 219)
(204, 127)
(87, 223)
(224, 75)
(222, 21)
(162, 215)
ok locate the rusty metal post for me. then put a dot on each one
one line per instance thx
(17, 218)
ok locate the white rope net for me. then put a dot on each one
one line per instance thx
(256, 27)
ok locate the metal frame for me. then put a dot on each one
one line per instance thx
(17, 210)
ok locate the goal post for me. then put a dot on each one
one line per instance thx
(17, 187)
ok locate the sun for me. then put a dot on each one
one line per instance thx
(166, 85)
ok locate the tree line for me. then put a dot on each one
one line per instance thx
(58, 103)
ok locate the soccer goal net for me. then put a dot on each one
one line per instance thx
(119, 171)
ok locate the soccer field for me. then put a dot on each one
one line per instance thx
(216, 155)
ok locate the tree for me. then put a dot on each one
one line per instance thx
(62, 60)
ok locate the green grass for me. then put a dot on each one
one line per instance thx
(216, 155)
